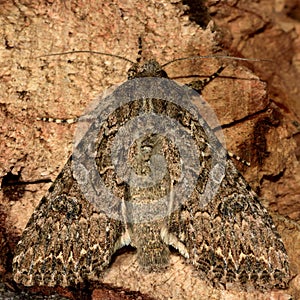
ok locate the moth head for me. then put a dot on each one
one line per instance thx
(150, 68)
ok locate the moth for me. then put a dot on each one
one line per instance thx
(150, 173)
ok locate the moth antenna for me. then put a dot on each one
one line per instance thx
(86, 51)
(140, 52)
(213, 56)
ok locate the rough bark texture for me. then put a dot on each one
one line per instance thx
(257, 103)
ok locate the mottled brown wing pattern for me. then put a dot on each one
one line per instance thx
(232, 241)
(66, 241)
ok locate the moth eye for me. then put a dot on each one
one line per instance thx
(68, 206)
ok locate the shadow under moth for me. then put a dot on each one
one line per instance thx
(136, 179)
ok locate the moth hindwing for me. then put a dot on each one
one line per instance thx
(150, 173)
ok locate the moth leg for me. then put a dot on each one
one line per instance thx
(199, 85)
(58, 121)
(238, 158)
